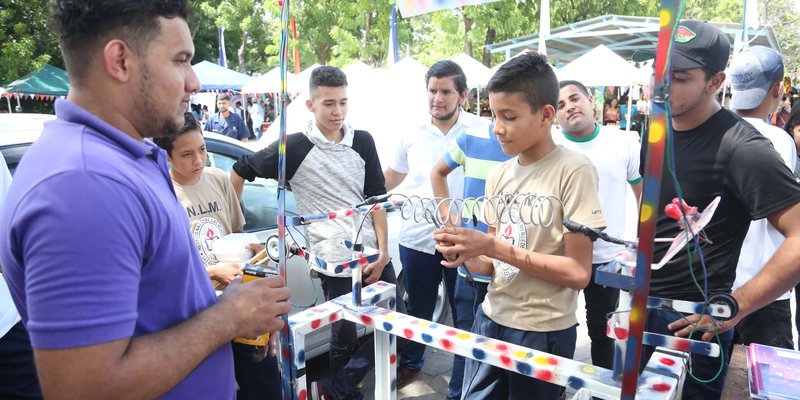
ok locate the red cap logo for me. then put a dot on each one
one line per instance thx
(684, 34)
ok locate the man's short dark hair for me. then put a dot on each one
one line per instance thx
(224, 96)
(190, 124)
(529, 74)
(448, 69)
(85, 25)
(577, 84)
(326, 76)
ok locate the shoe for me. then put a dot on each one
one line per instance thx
(406, 376)
(317, 392)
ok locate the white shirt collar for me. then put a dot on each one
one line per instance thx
(459, 123)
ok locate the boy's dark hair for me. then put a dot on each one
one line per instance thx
(529, 74)
(792, 121)
(82, 26)
(577, 84)
(448, 69)
(224, 96)
(326, 76)
(189, 124)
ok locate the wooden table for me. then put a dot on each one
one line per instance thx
(737, 385)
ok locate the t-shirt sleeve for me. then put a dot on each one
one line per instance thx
(634, 155)
(80, 292)
(374, 182)
(759, 178)
(261, 164)
(455, 156)
(400, 159)
(579, 195)
(235, 209)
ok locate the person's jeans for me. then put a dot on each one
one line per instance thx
(771, 325)
(18, 378)
(600, 302)
(468, 298)
(422, 273)
(702, 367)
(257, 380)
(485, 381)
(348, 364)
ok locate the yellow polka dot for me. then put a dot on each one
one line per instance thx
(521, 354)
(588, 369)
(647, 213)
(463, 335)
(656, 133)
(424, 324)
(666, 16)
(634, 315)
(540, 360)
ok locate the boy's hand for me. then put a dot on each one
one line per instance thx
(373, 271)
(460, 244)
(224, 273)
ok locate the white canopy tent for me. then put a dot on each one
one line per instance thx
(602, 67)
(478, 75)
(271, 83)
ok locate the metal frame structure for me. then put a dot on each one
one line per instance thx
(622, 34)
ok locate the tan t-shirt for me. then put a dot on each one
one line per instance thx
(515, 298)
(213, 210)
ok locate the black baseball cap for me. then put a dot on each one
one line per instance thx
(697, 44)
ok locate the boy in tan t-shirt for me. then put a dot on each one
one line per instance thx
(536, 271)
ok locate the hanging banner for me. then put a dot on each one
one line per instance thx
(410, 8)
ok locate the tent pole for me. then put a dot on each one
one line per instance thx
(628, 116)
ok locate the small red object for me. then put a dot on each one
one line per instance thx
(673, 211)
(280, 3)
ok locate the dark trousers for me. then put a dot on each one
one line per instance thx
(702, 367)
(18, 378)
(484, 381)
(348, 364)
(771, 325)
(600, 302)
(469, 296)
(422, 273)
(257, 380)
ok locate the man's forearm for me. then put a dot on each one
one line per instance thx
(143, 367)
(381, 224)
(781, 274)
(238, 184)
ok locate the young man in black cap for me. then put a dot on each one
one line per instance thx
(718, 154)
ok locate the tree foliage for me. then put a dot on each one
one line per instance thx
(27, 43)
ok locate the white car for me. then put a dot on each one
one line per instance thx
(259, 204)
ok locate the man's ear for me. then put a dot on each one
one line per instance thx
(119, 60)
(310, 105)
(716, 81)
(776, 91)
(548, 114)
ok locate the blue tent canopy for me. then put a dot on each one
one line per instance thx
(216, 77)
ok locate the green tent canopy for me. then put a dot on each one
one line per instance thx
(48, 80)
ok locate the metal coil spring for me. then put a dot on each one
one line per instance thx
(530, 209)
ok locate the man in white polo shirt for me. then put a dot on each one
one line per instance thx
(418, 152)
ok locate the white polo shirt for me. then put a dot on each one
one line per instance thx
(416, 156)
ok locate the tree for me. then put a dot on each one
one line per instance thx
(27, 42)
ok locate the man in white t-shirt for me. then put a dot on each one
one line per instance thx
(414, 159)
(757, 86)
(615, 155)
(17, 371)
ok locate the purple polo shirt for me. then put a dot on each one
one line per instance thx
(98, 246)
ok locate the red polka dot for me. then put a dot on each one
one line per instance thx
(376, 207)
(544, 375)
(682, 345)
(505, 360)
(451, 332)
(392, 358)
(331, 215)
(552, 361)
(302, 395)
(366, 319)
(633, 272)
(608, 329)
(447, 345)
(333, 318)
(667, 361)
(662, 387)
(408, 333)
(621, 333)
(501, 347)
(315, 324)
(348, 213)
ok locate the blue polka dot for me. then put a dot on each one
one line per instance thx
(375, 300)
(392, 303)
(656, 341)
(355, 287)
(393, 384)
(301, 356)
(478, 354)
(575, 382)
(427, 338)
(338, 269)
(480, 339)
(524, 368)
(387, 327)
(434, 326)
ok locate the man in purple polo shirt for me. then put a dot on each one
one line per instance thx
(98, 254)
